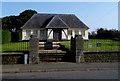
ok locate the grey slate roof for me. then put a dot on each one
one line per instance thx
(54, 21)
(57, 22)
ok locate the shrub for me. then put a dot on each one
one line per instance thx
(5, 36)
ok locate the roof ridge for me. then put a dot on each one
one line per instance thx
(62, 21)
(52, 14)
(49, 22)
(59, 19)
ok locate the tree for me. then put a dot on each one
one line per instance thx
(92, 35)
(100, 33)
(106, 34)
(14, 23)
(25, 16)
(10, 23)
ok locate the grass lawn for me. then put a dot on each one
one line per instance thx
(105, 45)
(14, 46)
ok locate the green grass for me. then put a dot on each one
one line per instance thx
(24, 46)
(105, 45)
(14, 46)
(67, 44)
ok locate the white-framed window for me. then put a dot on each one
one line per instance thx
(83, 32)
(28, 33)
(76, 32)
(35, 32)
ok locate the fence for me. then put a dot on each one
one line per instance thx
(20, 46)
(14, 52)
(101, 44)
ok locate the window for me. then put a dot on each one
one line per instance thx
(83, 32)
(28, 33)
(76, 32)
(35, 32)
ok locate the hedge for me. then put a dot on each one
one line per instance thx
(5, 36)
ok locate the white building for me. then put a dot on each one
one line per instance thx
(56, 27)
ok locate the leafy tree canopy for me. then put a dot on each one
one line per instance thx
(14, 23)
(105, 34)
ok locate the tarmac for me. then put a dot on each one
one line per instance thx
(58, 66)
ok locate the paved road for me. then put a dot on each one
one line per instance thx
(62, 71)
(54, 66)
(101, 74)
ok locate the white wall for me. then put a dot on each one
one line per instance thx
(39, 34)
(64, 33)
(32, 32)
(79, 32)
(85, 37)
(23, 34)
(25, 37)
(50, 34)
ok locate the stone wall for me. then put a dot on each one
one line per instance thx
(12, 58)
(102, 56)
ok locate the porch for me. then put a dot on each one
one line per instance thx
(54, 34)
(47, 34)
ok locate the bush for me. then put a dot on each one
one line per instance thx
(16, 36)
(5, 36)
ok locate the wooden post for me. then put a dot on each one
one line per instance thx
(34, 48)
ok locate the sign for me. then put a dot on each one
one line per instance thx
(89, 45)
(98, 44)
(48, 46)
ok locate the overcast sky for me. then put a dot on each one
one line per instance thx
(94, 14)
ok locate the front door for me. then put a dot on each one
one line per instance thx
(57, 33)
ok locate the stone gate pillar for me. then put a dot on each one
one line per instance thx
(79, 44)
(33, 51)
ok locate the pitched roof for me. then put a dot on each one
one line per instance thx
(54, 21)
(57, 22)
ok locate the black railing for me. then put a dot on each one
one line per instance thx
(19, 46)
(101, 44)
